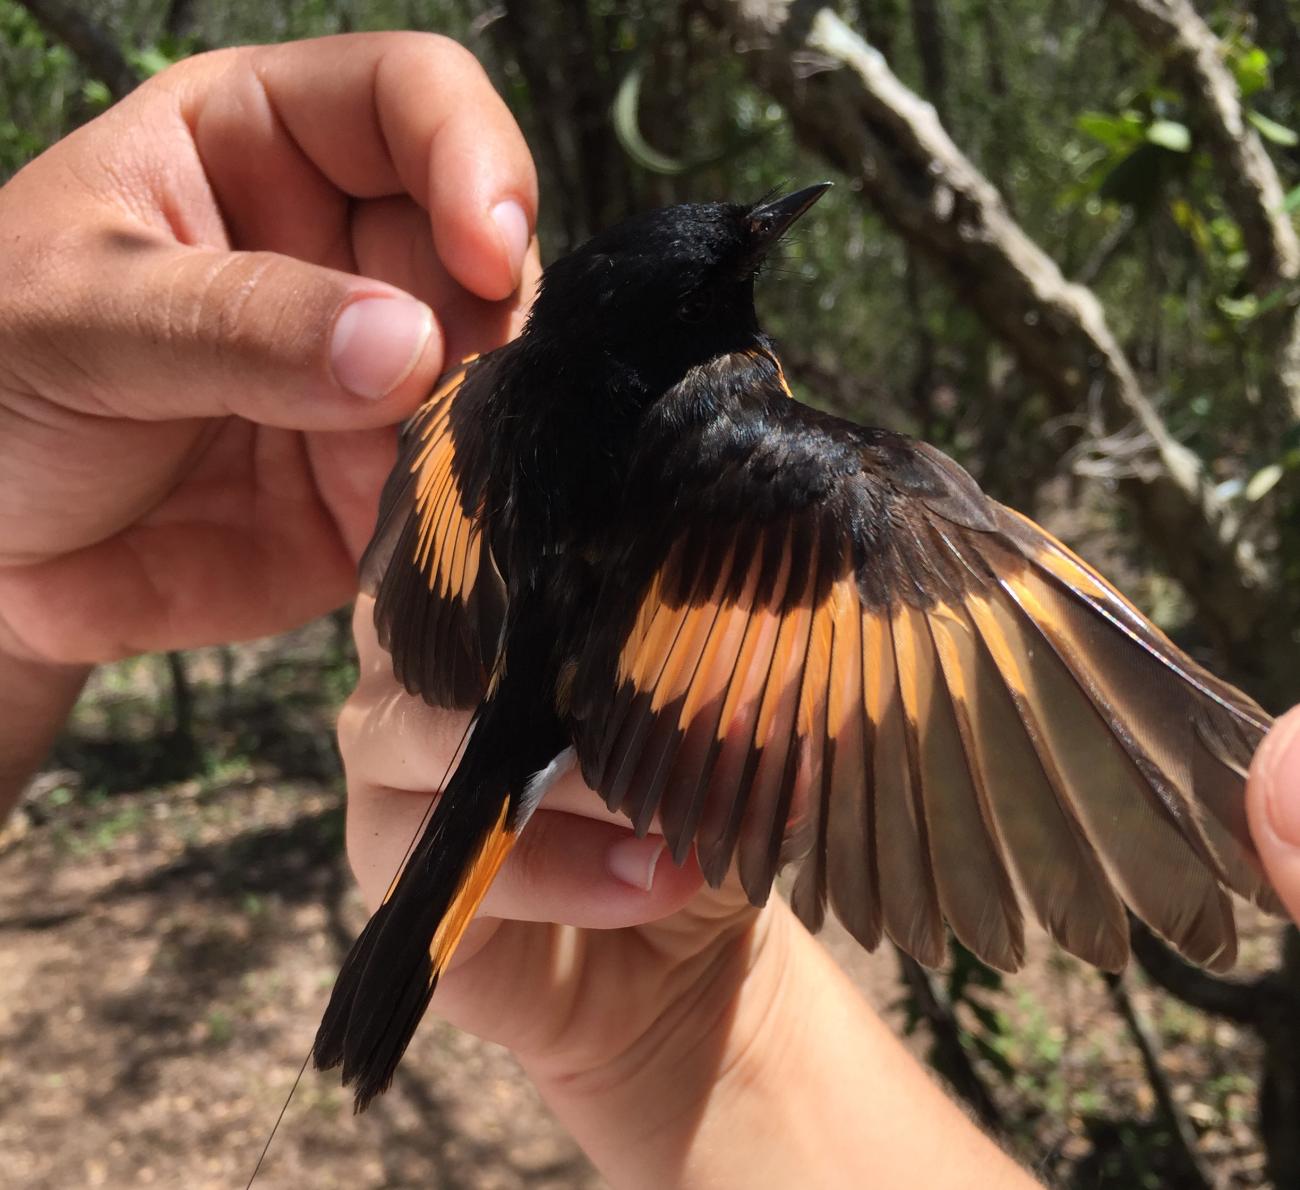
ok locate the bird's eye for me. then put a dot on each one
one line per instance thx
(696, 308)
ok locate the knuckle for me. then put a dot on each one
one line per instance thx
(229, 304)
(227, 292)
(196, 66)
(434, 52)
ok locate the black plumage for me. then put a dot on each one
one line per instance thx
(779, 635)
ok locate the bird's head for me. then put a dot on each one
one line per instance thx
(663, 291)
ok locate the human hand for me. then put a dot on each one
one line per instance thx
(195, 385)
(684, 1037)
(1273, 807)
(635, 935)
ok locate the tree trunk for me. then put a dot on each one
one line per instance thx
(847, 105)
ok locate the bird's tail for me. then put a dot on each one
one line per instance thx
(393, 967)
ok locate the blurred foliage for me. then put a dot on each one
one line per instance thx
(1059, 106)
(43, 94)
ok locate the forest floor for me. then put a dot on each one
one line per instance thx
(173, 910)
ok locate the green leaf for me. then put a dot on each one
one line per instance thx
(1250, 69)
(1189, 219)
(627, 127)
(1117, 132)
(1279, 134)
(1238, 309)
(1169, 134)
(1263, 481)
(1227, 234)
(95, 93)
(150, 61)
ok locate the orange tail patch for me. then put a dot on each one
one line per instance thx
(478, 877)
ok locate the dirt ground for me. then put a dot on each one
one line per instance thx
(166, 950)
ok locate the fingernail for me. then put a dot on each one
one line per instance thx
(376, 343)
(634, 860)
(1280, 768)
(512, 224)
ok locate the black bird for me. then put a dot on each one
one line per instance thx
(789, 637)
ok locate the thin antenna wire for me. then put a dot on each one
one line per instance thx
(276, 1126)
(419, 830)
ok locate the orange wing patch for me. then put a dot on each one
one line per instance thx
(937, 758)
(440, 599)
(450, 539)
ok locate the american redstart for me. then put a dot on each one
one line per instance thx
(779, 635)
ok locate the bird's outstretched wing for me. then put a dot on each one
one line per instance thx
(837, 651)
(439, 597)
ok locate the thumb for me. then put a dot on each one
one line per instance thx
(188, 332)
(1273, 807)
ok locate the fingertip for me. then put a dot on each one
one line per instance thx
(658, 886)
(646, 866)
(1274, 785)
(516, 233)
(483, 204)
(590, 873)
(485, 250)
(634, 861)
(675, 883)
(1273, 807)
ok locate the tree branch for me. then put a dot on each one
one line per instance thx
(1194, 1175)
(846, 104)
(1173, 30)
(1251, 187)
(92, 45)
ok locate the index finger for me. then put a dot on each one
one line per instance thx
(374, 114)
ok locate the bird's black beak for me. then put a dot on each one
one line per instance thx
(769, 222)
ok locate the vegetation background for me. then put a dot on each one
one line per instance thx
(1061, 247)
